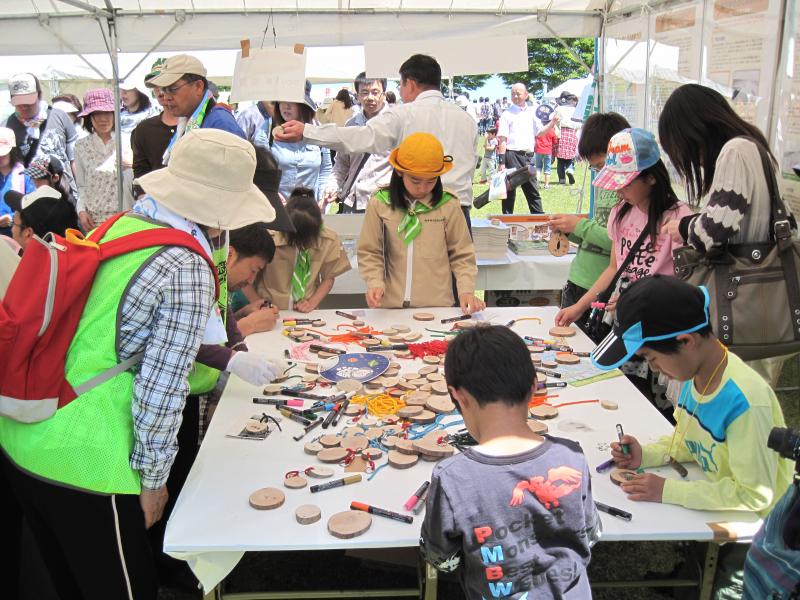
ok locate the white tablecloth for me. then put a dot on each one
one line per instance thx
(212, 524)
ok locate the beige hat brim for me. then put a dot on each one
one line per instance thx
(164, 79)
(206, 205)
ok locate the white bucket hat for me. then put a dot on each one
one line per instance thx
(209, 180)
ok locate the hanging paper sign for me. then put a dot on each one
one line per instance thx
(361, 366)
(269, 74)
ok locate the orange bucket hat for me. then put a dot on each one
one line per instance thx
(421, 155)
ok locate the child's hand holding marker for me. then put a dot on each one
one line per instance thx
(630, 460)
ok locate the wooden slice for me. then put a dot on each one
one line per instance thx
(390, 441)
(391, 420)
(349, 524)
(356, 464)
(323, 354)
(609, 404)
(312, 368)
(390, 382)
(544, 412)
(430, 447)
(319, 323)
(389, 331)
(368, 422)
(329, 441)
(394, 366)
(416, 398)
(563, 331)
(267, 498)
(540, 392)
(371, 342)
(320, 472)
(434, 377)
(409, 411)
(272, 388)
(357, 443)
(549, 364)
(431, 360)
(541, 378)
(296, 334)
(405, 447)
(429, 458)
(536, 349)
(306, 514)
(397, 392)
(423, 316)
(406, 385)
(402, 354)
(440, 404)
(352, 431)
(426, 416)
(412, 337)
(313, 448)
(253, 426)
(401, 328)
(374, 386)
(426, 388)
(439, 387)
(619, 476)
(371, 453)
(558, 245)
(565, 358)
(466, 324)
(418, 382)
(280, 378)
(295, 482)
(536, 360)
(332, 455)
(402, 461)
(309, 338)
(537, 427)
(353, 409)
(349, 385)
(397, 339)
(426, 370)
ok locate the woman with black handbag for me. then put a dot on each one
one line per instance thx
(730, 174)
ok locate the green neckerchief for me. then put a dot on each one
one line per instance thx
(301, 275)
(410, 225)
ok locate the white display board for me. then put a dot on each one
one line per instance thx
(269, 74)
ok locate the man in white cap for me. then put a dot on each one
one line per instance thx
(91, 477)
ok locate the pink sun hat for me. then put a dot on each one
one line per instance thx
(99, 100)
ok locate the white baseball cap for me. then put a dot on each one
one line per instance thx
(7, 140)
(22, 88)
(67, 107)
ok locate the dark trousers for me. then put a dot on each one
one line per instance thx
(516, 159)
(94, 545)
(563, 165)
(346, 209)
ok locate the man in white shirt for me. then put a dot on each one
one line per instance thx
(358, 175)
(423, 109)
(516, 147)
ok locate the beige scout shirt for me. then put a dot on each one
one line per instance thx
(443, 247)
(328, 261)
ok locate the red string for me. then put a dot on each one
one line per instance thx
(430, 348)
(575, 402)
(293, 474)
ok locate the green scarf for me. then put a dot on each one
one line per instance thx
(301, 275)
(410, 225)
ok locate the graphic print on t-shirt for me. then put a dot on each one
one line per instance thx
(560, 481)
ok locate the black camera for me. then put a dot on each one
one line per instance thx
(785, 442)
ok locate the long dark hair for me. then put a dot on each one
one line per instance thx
(344, 97)
(15, 157)
(398, 199)
(306, 115)
(662, 199)
(695, 124)
(306, 217)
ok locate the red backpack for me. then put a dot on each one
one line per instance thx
(42, 309)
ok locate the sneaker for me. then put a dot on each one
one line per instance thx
(571, 178)
(545, 187)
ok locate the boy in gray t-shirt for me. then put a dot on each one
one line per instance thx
(516, 510)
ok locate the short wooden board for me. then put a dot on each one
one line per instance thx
(440, 404)
(609, 404)
(426, 416)
(537, 427)
(544, 412)
(267, 498)
(306, 514)
(402, 461)
(295, 482)
(565, 358)
(349, 524)
(562, 331)
(332, 455)
(423, 316)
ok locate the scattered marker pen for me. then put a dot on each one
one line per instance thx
(335, 483)
(458, 318)
(341, 313)
(374, 510)
(605, 466)
(614, 512)
(420, 503)
(620, 434)
(320, 348)
(549, 373)
(412, 501)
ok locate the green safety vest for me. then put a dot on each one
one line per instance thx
(202, 378)
(87, 444)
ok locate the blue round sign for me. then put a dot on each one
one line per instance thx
(362, 366)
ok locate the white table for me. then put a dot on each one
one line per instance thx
(212, 524)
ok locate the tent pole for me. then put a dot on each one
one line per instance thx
(180, 19)
(113, 55)
(541, 18)
(45, 23)
(646, 115)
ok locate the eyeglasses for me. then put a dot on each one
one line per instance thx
(170, 91)
(367, 93)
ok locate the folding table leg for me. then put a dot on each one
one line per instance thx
(709, 571)
(431, 582)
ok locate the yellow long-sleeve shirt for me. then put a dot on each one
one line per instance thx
(727, 437)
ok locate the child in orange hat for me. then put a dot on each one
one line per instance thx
(415, 239)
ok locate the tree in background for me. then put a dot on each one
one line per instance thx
(550, 63)
(464, 83)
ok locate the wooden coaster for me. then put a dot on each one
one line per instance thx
(426, 388)
(536, 349)
(389, 331)
(409, 411)
(537, 427)
(371, 453)
(349, 524)
(319, 323)
(397, 339)
(406, 385)
(357, 443)
(405, 447)
(558, 244)
(439, 387)
(351, 431)
(353, 409)
(440, 404)
(323, 354)
(402, 461)
(544, 412)
(402, 354)
(373, 433)
(416, 398)
(434, 377)
(374, 386)
(397, 392)
(330, 441)
(390, 420)
(267, 498)
(253, 426)
(619, 476)
(390, 382)
(310, 378)
(549, 364)
(426, 416)
(295, 482)
(306, 514)
(368, 422)
(431, 360)
(562, 331)
(412, 337)
(313, 448)
(272, 388)
(423, 316)
(332, 455)
(390, 441)
(371, 342)
(349, 385)
(609, 404)
(424, 371)
(401, 328)
(320, 472)
(357, 464)
(418, 381)
(312, 368)
(565, 358)
(429, 446)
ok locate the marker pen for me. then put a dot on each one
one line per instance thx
(307, 428)
(296, 418)
(340, 412)
(549, 373)
(458, 318)
(335, 483)
(320, 348)
(620, 434)
(304, 395)
(341, 313)
(555, 384)
(331, 415)
(374, 510)
(605, 466)
(412, 501)
(614, 512)
(420, 503)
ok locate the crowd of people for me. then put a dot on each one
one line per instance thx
(247, 192)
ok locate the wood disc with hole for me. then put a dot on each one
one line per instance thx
(353, 410)
(558, 245)
(253, 426)
(295, 482)
(565, 358)
(562, 331)
(349, 524)
(543, 411)
(431, 360)
(306, 514)
(409, 411)
(429, 446)
(439, 387)
(537, 427)
(371, 453)
(425, 371)
(267, 498)
(349, 385)
(404, 446)
(619, 476)
(402, 461)
(390, 441)
(272, 388)
(319, 472)
(440, 404)
(609, 404)
(332, 455)
(330, 441)
(426, 416)
(313, 448)
(416, 398)
(423, 316)
(356, 443)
